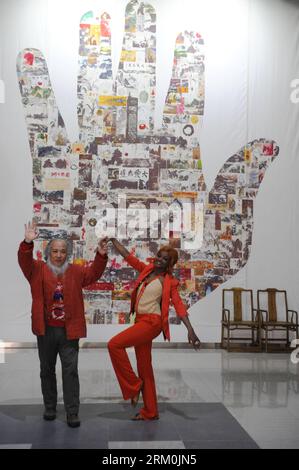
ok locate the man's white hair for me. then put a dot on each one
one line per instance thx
(68, 244)
(58, 270)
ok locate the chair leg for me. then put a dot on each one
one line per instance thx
(257, 342)
(222, 336)
(228, 339)
(259, 337)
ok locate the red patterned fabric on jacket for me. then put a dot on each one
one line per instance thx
(55, 315)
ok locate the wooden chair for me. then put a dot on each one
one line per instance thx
(276, 315)
(234, 320)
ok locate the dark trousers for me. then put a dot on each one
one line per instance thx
(55, 342)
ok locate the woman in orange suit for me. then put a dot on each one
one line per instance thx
(155, 287)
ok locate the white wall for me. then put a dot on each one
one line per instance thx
(251, 57)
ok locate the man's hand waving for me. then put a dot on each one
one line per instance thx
(31, 232)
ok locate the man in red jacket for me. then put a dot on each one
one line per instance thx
(58, 318)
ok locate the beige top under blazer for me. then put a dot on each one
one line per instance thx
(150, 299)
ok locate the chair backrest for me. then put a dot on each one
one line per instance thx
(270, 296)
(238, 297)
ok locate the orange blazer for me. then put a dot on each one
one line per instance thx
(169, 294)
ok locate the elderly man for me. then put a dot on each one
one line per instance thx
(58, 318)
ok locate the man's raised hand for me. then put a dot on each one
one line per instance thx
(31, 232)
(103, 246)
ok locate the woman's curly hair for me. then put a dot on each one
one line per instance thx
(173, 256)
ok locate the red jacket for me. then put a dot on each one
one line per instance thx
(169, 293)
(43, 282)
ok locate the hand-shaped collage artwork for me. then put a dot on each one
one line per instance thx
(120, 154)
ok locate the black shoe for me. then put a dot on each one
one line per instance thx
(49, 414)
(73, 421)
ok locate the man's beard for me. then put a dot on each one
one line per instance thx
(58, 270)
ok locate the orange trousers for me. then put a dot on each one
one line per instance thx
(140, 335)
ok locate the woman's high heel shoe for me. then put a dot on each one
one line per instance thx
(135, 400)
(139, 417)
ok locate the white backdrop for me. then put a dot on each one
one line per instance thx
(252, 56)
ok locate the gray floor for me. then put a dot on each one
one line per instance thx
(181, 426)
(207, 399)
